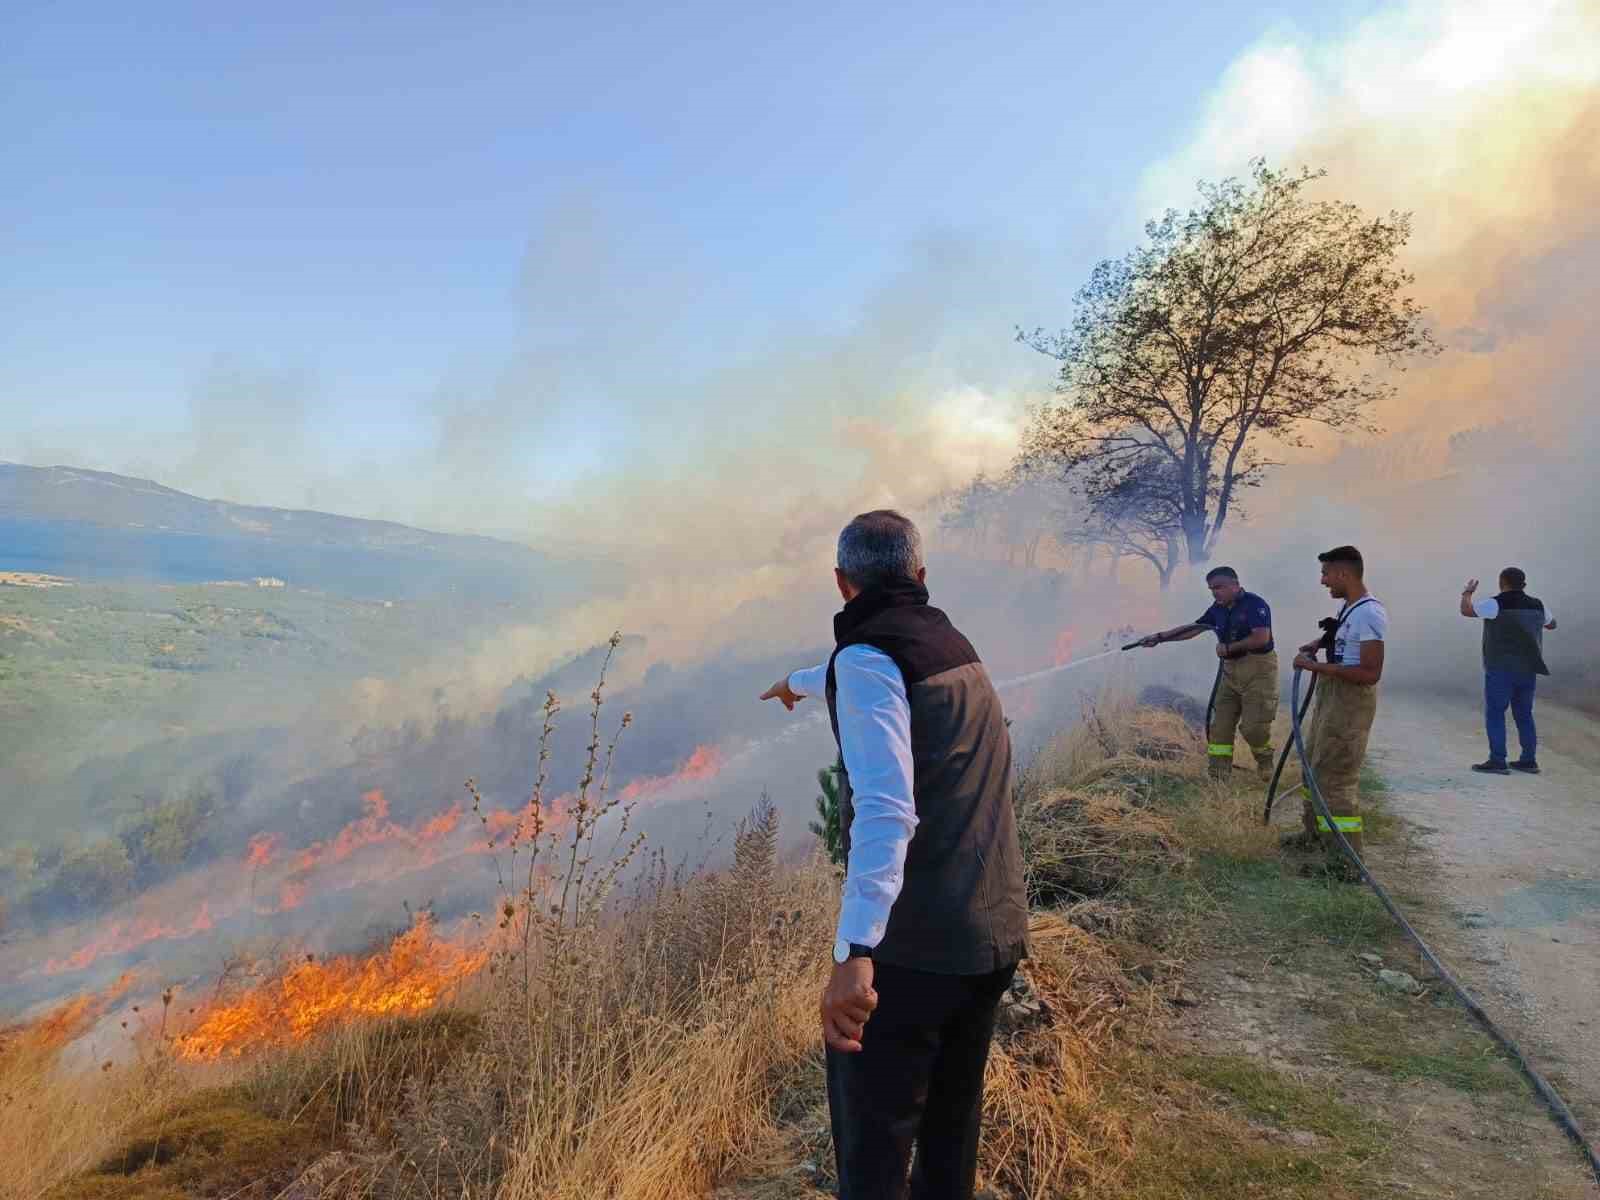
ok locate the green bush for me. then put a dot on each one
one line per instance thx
(828, 826)
(168, 833)
(94, 876)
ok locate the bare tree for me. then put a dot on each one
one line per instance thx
(1249, 318)
(968, 512)
(1137, 518)
(1018, 511)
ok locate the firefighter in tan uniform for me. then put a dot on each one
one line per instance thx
(1347, 698)
(1247, 691)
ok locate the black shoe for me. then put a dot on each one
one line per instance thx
(1530, 768)
(1490, 767)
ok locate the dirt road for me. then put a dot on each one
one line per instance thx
(1515, 862)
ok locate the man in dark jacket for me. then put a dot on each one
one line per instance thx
(1513, 659)
(934, 918)
(1246, 698)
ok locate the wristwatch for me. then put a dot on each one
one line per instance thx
(845, 951)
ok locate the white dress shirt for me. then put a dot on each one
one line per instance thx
(875, 741)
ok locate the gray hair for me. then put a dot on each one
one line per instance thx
(879, 547)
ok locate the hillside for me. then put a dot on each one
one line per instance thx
(92, 524)
(134, 615)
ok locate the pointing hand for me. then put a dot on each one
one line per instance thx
(782, 691)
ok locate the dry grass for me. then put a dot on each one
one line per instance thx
(661, 1078)
(55, 1121)
(661, 1043)
(1089, 1103)
(209, 1143)
(1116, 736)
(1089, 807)
(1047, 1128)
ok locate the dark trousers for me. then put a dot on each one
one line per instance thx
(1513, 688)
(917, 1078)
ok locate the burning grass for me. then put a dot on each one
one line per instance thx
(410, 976)
(660, 1042)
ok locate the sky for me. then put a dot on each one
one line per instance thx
(471, 266)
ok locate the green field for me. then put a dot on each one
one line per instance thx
(89, 670)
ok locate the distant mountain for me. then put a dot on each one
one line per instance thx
(93, 524)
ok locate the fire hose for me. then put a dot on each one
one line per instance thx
(1552, 1099)
(1211, 701)
(1330, 627)
(1283, 755)
(1297, 711)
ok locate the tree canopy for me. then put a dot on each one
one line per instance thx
(1252, 318)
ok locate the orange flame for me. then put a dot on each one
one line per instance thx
(1063, 648)
(438, 826)
(65, 1021)
(506, 820)
(262, 847)
(122, 936)
(703, 763)
(373, 828)
(408, 977)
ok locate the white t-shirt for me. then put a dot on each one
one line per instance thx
(1490, 609)
(1368, 621)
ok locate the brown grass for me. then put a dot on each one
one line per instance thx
(661, 1043)
(1046, 1126)
(209, 1143)
(1088, 806)
(56, 1121)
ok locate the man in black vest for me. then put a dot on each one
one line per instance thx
(934, 918)
(1513, 659)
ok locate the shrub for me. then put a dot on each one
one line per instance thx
(94, 876)
(170, 832)
(828, 826)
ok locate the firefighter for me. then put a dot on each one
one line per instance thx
(1347, 698)
(1247, 687)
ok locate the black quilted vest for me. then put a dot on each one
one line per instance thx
(962, 909)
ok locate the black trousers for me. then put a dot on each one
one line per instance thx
(918, 1078)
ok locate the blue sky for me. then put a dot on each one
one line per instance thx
(325, 242)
